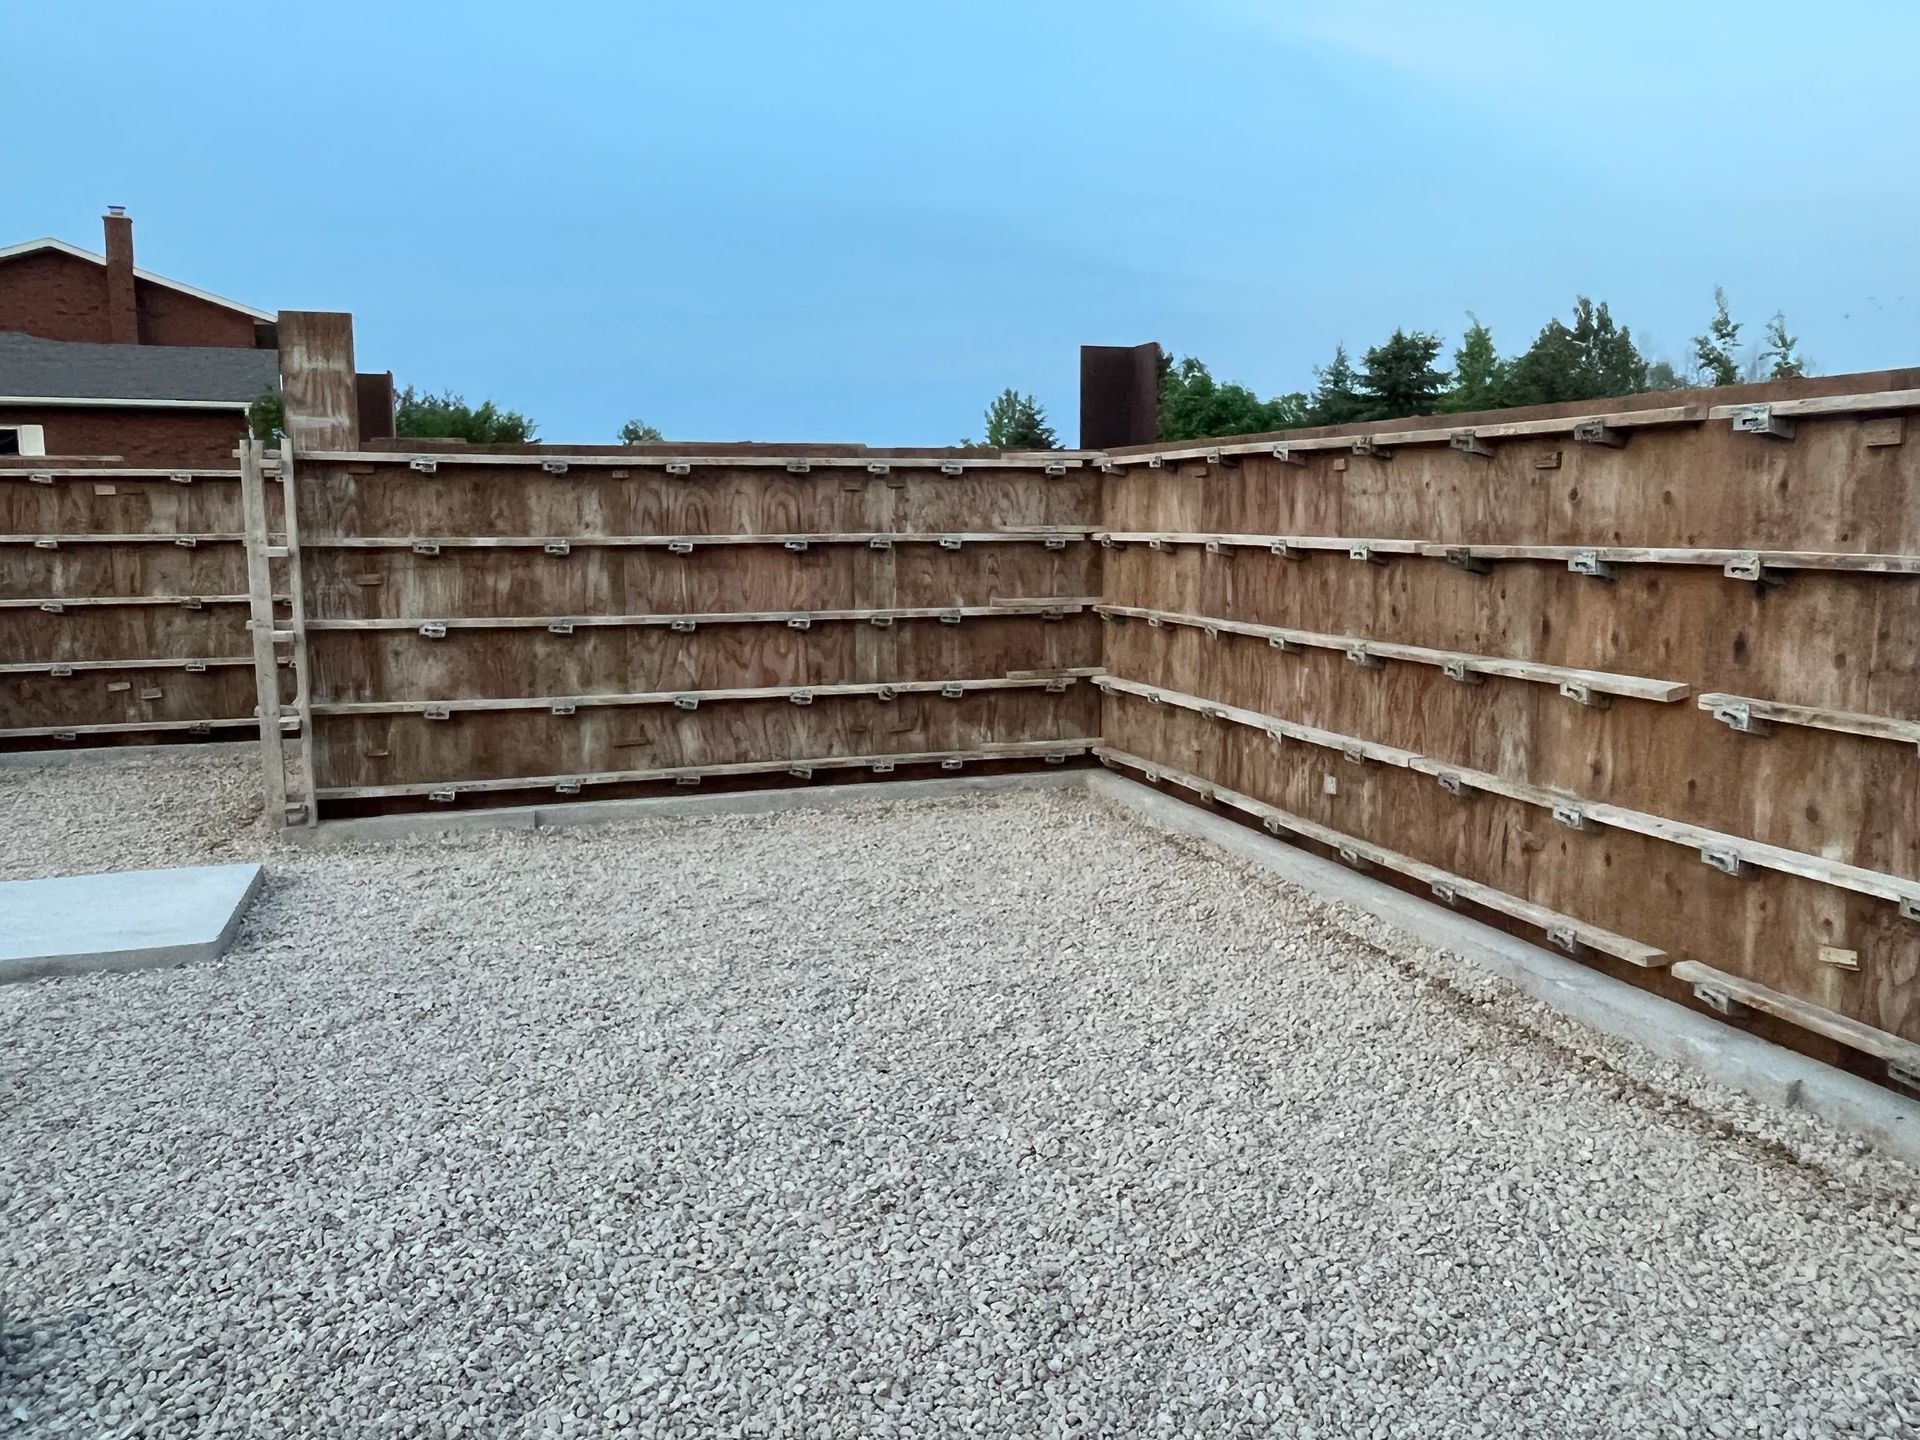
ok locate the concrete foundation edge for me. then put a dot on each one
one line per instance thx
(377, 829)
(1746, 1063)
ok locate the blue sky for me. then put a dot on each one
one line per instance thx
(857, 221)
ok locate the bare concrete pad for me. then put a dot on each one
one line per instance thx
(123, 920)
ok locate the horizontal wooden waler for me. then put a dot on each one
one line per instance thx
(1053, 752)
(1753, 716)
(693, 699)
(107, 475)
(1044, 607)
(54, 604)
(1051, 535)
(1732, 994)
(1595, 560)
(1051, 462)
(167, 662)
(1601, 428)
(1716, 848)
(1574, 683)
(131, 727)
(1562, 930)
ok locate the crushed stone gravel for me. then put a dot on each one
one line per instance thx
(1002, 1116)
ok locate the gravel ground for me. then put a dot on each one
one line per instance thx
(997, 1117)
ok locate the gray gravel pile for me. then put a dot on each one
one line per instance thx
(1000, 1117)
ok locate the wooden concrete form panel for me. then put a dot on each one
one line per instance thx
(1653, 891)
(108, 504)
(588, 580)
(125, 696)
(387, 498)
(363, 665)
(1846, 797)
(32, 635)
(122, 570)
(1831, 641)
(353, 751)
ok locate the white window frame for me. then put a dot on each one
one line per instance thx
(32, 438)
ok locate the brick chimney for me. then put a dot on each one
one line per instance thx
(123, 314)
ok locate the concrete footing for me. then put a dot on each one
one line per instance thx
(1744, 1062)
(123, 920)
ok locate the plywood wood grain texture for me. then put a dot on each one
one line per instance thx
(91, 576)
(1826, 640)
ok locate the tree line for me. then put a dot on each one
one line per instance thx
(1591, 358)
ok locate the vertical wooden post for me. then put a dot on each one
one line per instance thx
(297, 626)
(266, 667)
(322, 414)
(317, 380)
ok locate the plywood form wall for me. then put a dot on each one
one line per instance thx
(1834, 639)
(122, 605)
(442, 632)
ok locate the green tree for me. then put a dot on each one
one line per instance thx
(1589, 360)
(1783, 351)
(267, 416)
(1019, 422)
(1194, 406)
(1479, 374)
(638, 432)
(1399, 378)
(1713, 352)
(1662, 376)
(1336, 398)
(448, 416)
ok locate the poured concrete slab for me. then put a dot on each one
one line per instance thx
(123, 920)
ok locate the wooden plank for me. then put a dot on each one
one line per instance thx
(1023, 750)
(1432, 435)
(1441, 881)
(261, 626)
(1805, 1014)
(1878, 402)
(124, 539)
(1028, 535)
(110, 473)
(170, 662)
(83, 601)
(464, 705)
(131, 727)
(856, 460)
(316, 378)
(1632, 686)
(297, 626)
(1694, 837)
(1061, 605)
(1849, 722)
(1892, 564)
(1271, 725)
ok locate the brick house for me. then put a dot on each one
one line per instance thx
(101, 358)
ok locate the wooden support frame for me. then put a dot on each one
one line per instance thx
(874, 539)
(1051, 751)
(1741, 711)
(1728, 993)
(1470, 666)
(1574, 556)
(692, 699)
(1882, 886)
(261, 626)
(1045, 608)
(1562, 930)
(948, 464)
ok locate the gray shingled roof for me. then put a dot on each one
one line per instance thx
(64, 369)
